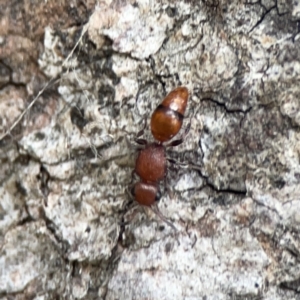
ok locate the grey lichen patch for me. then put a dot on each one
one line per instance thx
(246, 144)
(278, 30)
(207, 62)
(48, 149)
(189, 180)
(164, 277)
(284, 202)
(34, 190)
(66, 139)
(5, 74)
(289, 104)
(223, 148)
(289, 278)
(295, 9)
(129, 32)
(277, 216)
(99, 109)
(89, 280)
(11, 104)
(239, 17)
(273, 148)
(85, 213)
(11, 207)
(51, 61)
(29, 257)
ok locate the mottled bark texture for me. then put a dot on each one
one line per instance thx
(68, 226)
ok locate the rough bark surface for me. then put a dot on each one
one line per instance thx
(68, 227)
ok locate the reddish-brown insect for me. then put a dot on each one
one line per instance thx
(167, 118)
(151, 167)
(151, 163)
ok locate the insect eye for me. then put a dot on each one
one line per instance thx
(158, 196)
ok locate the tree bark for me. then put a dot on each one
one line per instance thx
(77, 81)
